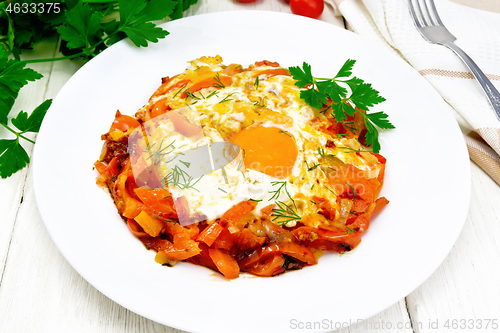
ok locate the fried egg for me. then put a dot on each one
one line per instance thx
(286, 147)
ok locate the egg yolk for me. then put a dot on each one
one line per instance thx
(269, 150)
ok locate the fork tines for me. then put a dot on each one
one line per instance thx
(426, 17)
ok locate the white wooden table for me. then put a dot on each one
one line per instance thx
(40, 291)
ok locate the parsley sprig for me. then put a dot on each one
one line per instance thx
(13, 76)
(85, 28)
(320, 91)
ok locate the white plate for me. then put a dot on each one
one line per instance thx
(427, 181)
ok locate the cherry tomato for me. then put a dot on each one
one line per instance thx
(123, 122)
(309, 8)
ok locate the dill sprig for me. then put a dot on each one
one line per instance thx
(261, 103)
(218, 84)
(283, 132)
(181, 179)
(350, 150)
(160, 152)
(285, 212)
(227, 99)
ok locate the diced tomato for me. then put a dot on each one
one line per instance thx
(294, 250)
(123, 122)
(362, 222)
(225, 263)
(348, 178)
(332, 239)
(270, 267)
(380, 158)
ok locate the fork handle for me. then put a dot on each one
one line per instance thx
(489, 89)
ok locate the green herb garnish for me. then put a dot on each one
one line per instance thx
(362, 97)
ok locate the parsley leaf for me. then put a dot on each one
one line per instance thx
(82, 28)
(314, 98)
(364, 96)
(13, 157)
(319, 92)
(13, 76)
(303, 76)
(34, 121)
(135, 16)
(346, 69)
(380, 119)
(372, 137)
(141, 33)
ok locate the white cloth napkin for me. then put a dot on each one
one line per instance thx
(477, 33)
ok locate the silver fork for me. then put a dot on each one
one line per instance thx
(433, 30)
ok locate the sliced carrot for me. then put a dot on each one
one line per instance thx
(101, 168)
(235, 213)
(225, 263)
(273, 72)
(266, 63)
(268, 210)
(226, 240)
(114, 167)
(218, 81)
(159, 108)
(181, 251)
(233, 69)
(168, 87)
(158, 200)
(247, 240)
(210, 233)
(180, 233)
(132, 207)
(150, 225)
(136, 229)
(182, 125)
(379, 204)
